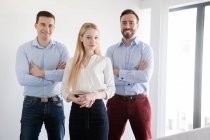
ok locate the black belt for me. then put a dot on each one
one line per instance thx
(131, 97)
(44, 99)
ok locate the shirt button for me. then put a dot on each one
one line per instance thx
(122, 78)
(129, 84)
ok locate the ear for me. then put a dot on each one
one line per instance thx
(35, 25)
(137, 25)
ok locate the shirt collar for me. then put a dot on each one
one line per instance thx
(35, 43)
(133, 43)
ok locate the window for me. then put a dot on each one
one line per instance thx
(205, 114)
(187, 89)
(180, 71)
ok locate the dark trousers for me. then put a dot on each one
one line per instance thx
(34, 114)
(136, 110)
(88, 123)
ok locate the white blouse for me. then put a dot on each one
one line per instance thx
(97, 76)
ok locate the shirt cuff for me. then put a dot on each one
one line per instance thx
(47, 75)
(122, 74)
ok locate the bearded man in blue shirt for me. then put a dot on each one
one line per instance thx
(40, 65)
(132, 62)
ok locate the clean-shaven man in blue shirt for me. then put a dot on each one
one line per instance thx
(132, 62)
(40, 65)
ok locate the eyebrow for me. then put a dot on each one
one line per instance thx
(127, 21)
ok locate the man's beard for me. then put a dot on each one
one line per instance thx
(128, 35)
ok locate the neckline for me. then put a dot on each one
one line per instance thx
(89, 62)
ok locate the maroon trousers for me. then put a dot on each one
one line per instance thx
(136, 110)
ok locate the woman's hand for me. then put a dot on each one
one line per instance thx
(86, 100)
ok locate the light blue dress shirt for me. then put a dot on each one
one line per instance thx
(131, 81)
(46, 59)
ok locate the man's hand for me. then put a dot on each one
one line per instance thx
(35, 71)
(116, 72)
(142, 65)
(61, 65)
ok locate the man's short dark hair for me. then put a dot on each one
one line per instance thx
(129, 11)
(44, 14)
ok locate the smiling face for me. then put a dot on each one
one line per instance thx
(45, 27)
(90, 40)
(129, 25)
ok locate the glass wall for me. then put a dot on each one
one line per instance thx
(180, 71)
(188, 67)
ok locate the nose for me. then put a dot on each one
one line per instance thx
(93, 40)
(47, 28)
(127, 26)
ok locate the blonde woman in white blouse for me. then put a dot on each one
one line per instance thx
(88, 79)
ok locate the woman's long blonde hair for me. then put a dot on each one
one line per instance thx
(79, 55)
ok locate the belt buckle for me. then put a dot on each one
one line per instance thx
(44, 100)
(55, 99)
(125, 98)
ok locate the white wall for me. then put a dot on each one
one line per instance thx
(17, 26)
